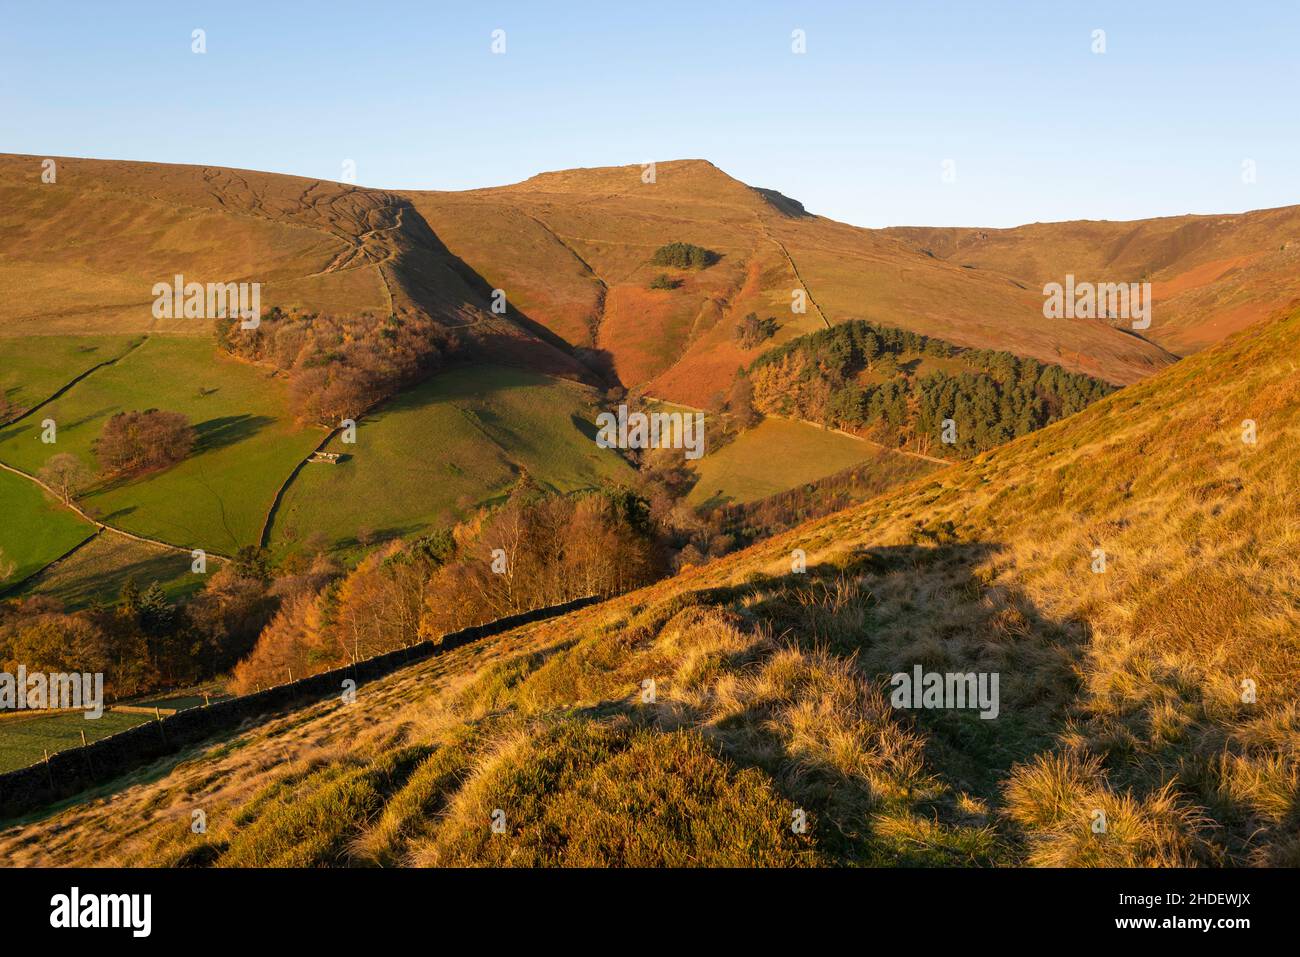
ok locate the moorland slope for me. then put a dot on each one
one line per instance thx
(1130, 573)
(575, 248)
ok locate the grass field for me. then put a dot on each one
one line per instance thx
(97, 571)
(1120, 692)
(32, 369)
(217, 498)
(775, 455)
(35, 528)
(23, 741)
(444, 447)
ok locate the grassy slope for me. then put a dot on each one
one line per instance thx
(1211, 275)
(574, 248)
(445, 446)
(97, 571)
(776, 455)
(82, 254)
(216, 498)
(31, 370)
(1119, 691)
(35, 529)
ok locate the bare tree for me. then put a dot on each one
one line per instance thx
(133, 442)
(66, 474)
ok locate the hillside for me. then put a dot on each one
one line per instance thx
(1210, 275)
(80, 342)
(452, 443)
(81, 255)
(347, 272)
(1121, 691)
(573, 249)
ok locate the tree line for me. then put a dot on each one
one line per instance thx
(534, 550)
(684, 256)
(861, 377)
(144, 642)
(339, 367)
(261, 622)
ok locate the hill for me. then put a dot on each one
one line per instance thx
(81, 255)
(1210, 275)
(1129, 574)
(367, 292)
(575, 251)
(441, 449)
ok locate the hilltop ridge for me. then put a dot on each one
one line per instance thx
(571, 249)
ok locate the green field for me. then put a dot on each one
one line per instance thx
(34, 368)
(34, 528)
(217, 498)
(97, 571)
(185, 698)
(24, 740)
(440, 449)
(775, 455)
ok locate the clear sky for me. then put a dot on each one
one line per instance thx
(1037, 126)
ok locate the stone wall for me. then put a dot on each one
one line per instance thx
(72, 771)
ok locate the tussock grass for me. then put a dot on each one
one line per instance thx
(1159, 694)
(583, 793)
(310, 823)
(1075, 819)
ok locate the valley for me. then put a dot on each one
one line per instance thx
(906, 461)
(1120, 690)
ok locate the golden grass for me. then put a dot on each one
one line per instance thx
(1122, 694)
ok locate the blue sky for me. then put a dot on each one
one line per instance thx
(1038, 127)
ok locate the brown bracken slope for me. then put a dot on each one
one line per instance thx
(571, 251)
